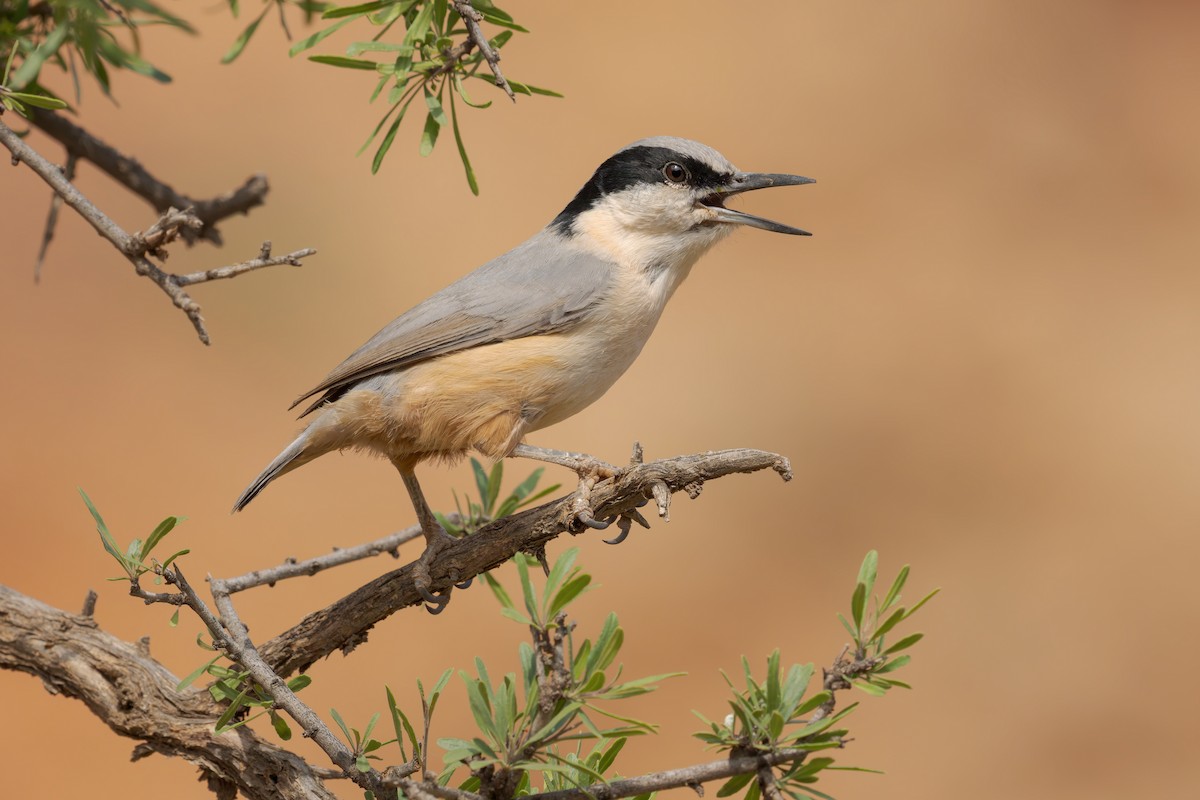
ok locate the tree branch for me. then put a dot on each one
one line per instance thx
(139, 246)
(134, 177)
(472, 17)
(678, 778)
(135, 696)
(344, 625)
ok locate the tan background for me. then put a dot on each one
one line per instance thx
(983, 363)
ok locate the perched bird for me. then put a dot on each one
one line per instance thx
(535, 335)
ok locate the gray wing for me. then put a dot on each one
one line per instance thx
(546, 285)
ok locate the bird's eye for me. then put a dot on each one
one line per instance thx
(675, 172)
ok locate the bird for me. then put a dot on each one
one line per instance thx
(533, 336)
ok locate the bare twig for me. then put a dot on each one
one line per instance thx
(265, 259)
(344, 625)
(56, 202)
(389, 544)
(136, 247)
(472, 18)
(133, 176)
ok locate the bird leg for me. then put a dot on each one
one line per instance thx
(589, 469)
(436, 539)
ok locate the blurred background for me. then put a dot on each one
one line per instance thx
(983, 363)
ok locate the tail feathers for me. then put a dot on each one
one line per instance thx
(293, 456)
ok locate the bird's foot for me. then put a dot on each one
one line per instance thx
(435, 602)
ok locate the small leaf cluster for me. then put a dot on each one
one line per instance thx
(872, 622)
(233, 686)
(433, 60)
(80, 37)
(404, 728)
(362, 745)
(490, 507)
(134, 557)
(526, 720)
(770, 715)
(774, 714)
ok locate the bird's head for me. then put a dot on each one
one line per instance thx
(662, 201)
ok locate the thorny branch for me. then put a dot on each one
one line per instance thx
(135, 696)
(140, 247)
(79, 143)
(344, 625)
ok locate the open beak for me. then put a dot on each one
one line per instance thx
(745, 182)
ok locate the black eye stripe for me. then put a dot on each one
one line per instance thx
(632, 166)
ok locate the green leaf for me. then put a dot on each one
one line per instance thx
(174, 622)
(386, 144)
(868, 571)
(496, 477)
(37, 100)
(194, 675)
(164, 527)
(857, 603)
(502, 20)
(230, 712)
(894, 664)
(889, 623)
(350, 11)
(344, 62)
(569, 592)
(429, 136)
(281, 727)
(515, 616)
(239, 44)
(894, 592)
(904, 644)
(338, 719)
(305, 43)
(527, 589)
(812, 703)
(735, 784)
(870, 689)
(921, 602)
(12, 54)
(539, 90)
(461, 89)
(106, 538)
(609, 755)
(299, 682)
(481, 476)
(773, 684)
(32, 65)
(498, 590)
(370, 727)
(559, 571)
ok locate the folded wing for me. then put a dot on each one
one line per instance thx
(546, 285)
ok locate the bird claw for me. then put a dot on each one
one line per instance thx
(625, 524)
(585, 516)
(464, 584)
(435, 602)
